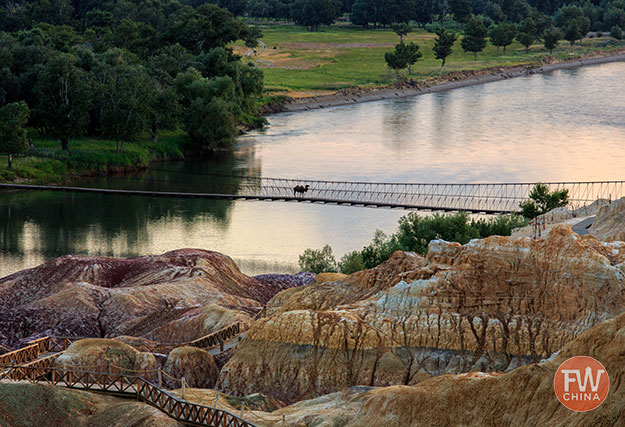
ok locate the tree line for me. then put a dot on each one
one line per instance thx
(569, 23)
(602, 15)
(123, 69)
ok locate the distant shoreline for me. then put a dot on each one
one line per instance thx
(453, 80)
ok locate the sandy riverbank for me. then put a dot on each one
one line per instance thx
(453, 80)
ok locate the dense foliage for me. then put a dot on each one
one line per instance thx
(414, 234)
(121, 69)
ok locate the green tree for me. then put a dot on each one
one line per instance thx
(443, 44)
(541, 201)
(63, 96)
(551, 37)
(401, 29)
(351, 263)
(461, 9)
(165, 111)
(318, 261)
(127, 94)
(396, 59)
(616, 32)
(573, 23)
(502, 35)
(312, 13)
(13, 119)
(474, 39)
(411, 52)
(528, 33)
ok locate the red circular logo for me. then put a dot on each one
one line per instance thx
(581, 383)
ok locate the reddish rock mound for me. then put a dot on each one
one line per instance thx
(177, 296)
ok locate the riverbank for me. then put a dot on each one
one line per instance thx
(449, 81)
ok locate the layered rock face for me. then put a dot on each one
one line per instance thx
(490, 305)
(609, 224)
(178, 296)
(523, 397)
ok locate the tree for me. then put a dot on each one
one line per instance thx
(13, 119)
(165, 111)
(528, 33)
(474, 39)
(412, 55)
(127, 94)
(63, 96)
(443, 44)
(616, 32)
(461, 9)
(502, 35)
(396, 60)
(551, 37)
(312, 13)
(318, 261)
(401, 29)
(541, 201)
(572, 21)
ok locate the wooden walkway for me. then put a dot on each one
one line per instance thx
(35, 363)
(487, 198)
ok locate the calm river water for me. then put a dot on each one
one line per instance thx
(565, 125)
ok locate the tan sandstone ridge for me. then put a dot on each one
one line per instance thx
(194, 364)
(490, 305)
(523, 397)
(175, 297)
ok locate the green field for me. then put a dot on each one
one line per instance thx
(340, 56)
(48, 163)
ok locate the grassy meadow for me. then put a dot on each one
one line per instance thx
(48, 163)
(341, 56)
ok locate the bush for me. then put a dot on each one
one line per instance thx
(599, 34)
(616, 32)
(351, 263)
(318, 261)
(542, 201)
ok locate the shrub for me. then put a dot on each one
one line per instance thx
(318, 261)
(616, 32)
(542, 201)
(351, 263)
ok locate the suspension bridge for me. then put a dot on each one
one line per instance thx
(484, 198)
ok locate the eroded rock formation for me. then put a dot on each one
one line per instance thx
(491, 305)
(194, 364)
(178, 296)
(523, 397)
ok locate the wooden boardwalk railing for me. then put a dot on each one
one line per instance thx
(179, 409)
(28, 364)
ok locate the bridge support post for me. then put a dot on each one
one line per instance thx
(216, 399)
(160, 378)
(183, 387)
(221, 346)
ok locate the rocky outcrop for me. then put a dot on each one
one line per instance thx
(609, 224)
(194, 364)
(106, 355)
(523, 397)
(175, 297)
(43, 405)
(490, 305)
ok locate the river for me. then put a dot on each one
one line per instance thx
(563, 125)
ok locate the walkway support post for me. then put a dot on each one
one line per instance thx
(160, 378)
(183, 386)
